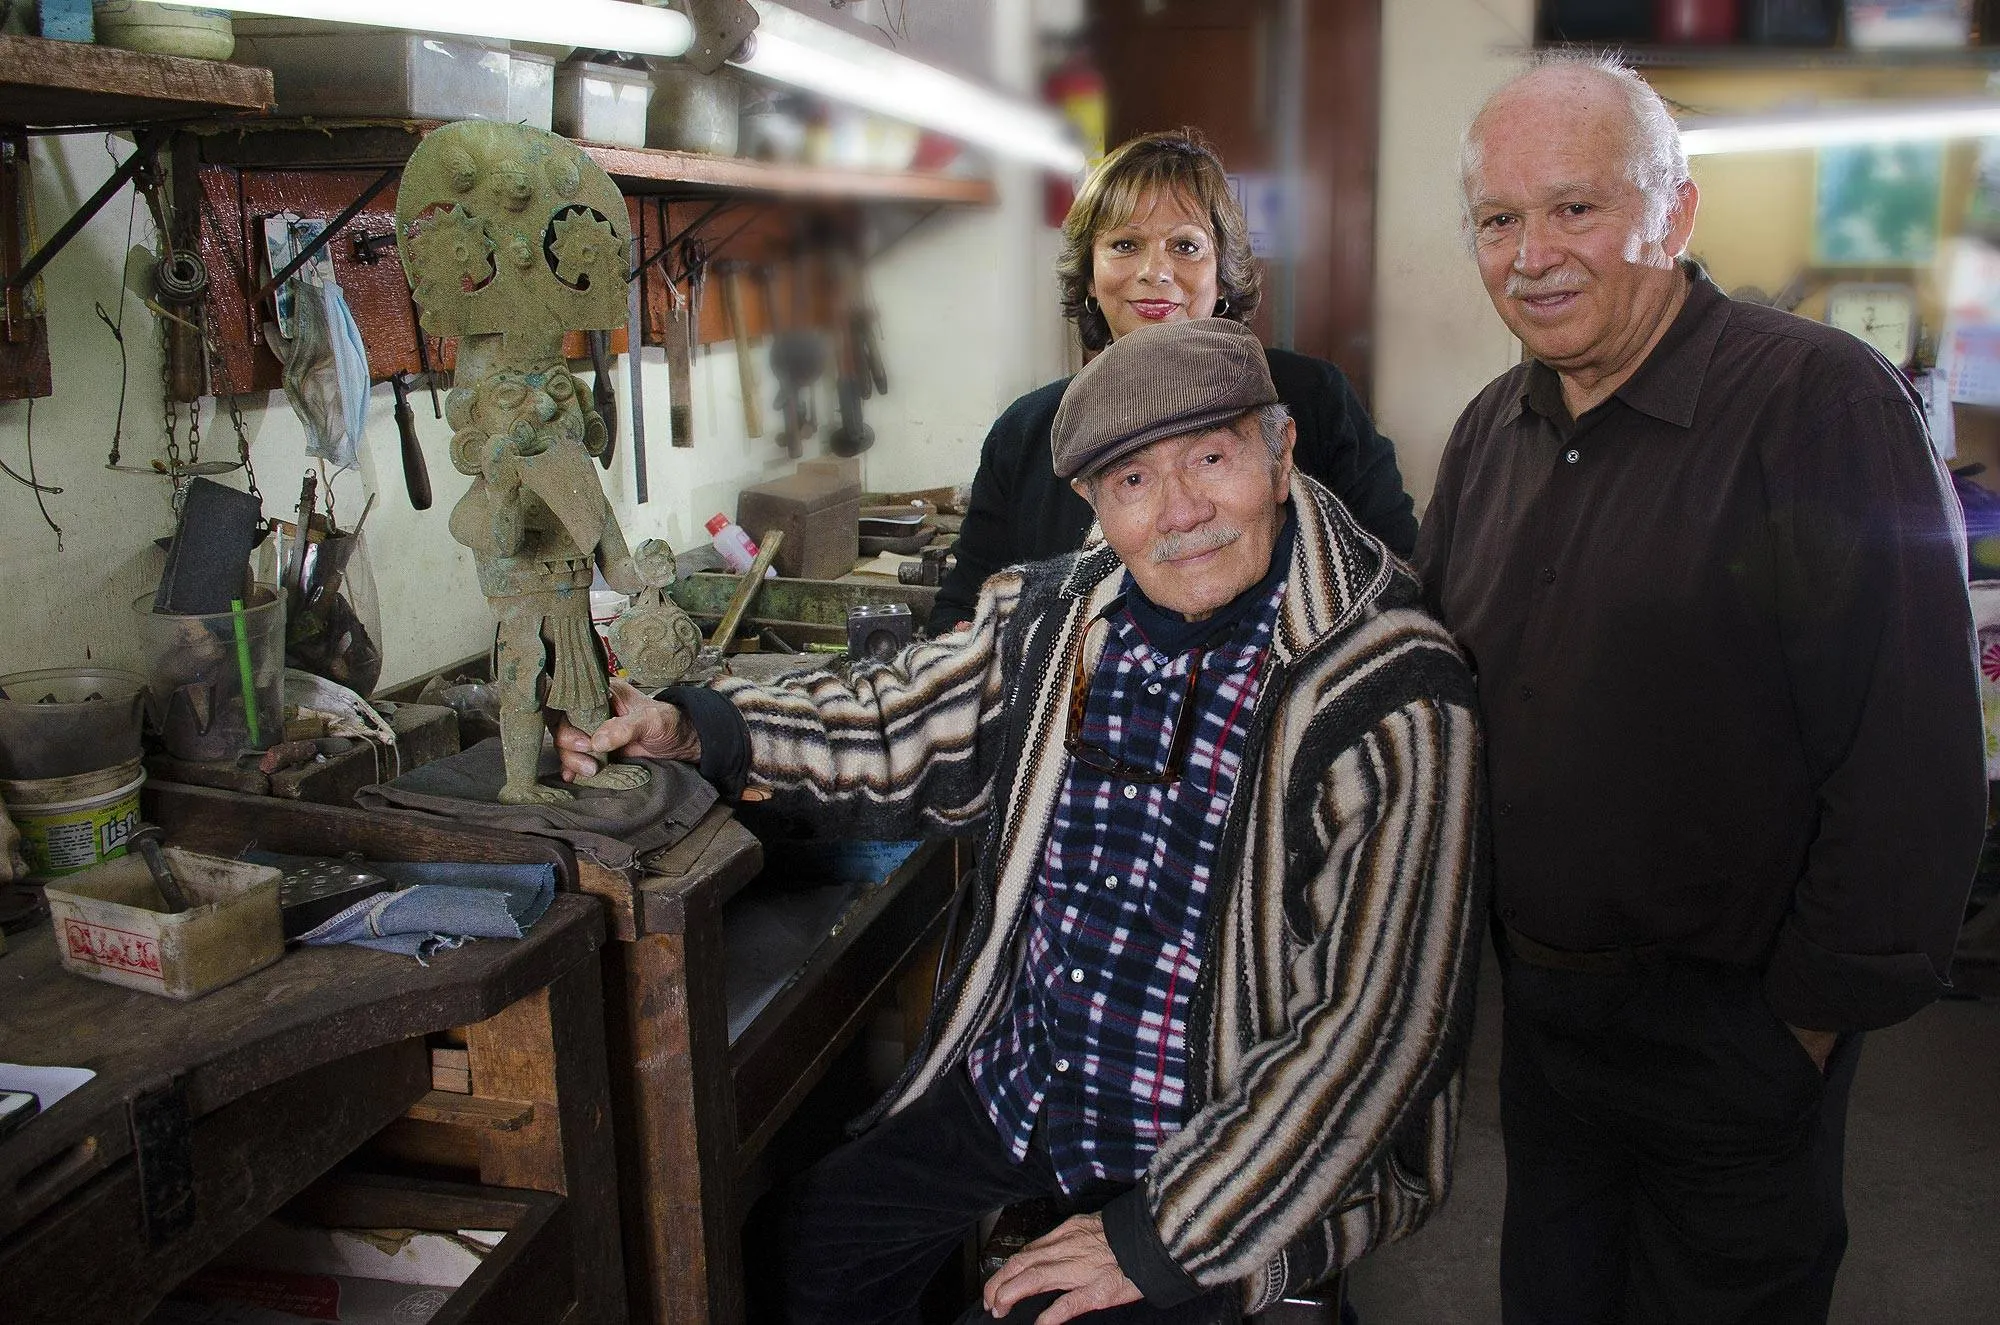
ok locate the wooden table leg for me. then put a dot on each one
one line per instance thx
(548, 1048)
(677, 1123)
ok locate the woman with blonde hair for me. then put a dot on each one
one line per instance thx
(1156, 236)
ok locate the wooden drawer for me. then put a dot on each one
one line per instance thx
(525, 1280)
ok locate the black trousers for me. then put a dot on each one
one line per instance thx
(1673, 1153)
(866, 1228)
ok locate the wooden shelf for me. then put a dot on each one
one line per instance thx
(1748, 57)
(46, 84)
(362, 144)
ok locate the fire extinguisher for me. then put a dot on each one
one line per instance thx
(1076, 89)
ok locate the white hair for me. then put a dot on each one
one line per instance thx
(1655, 162)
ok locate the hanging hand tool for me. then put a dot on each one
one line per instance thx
(680, 367)
(865, 328)
(797, 358)
(295, 572)
(853, 436)
(601, 395)
(416, 474)
(746, 367)
(634, 337)
(694, 256)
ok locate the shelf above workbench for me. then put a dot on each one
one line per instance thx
(47, 84)
(365, 144)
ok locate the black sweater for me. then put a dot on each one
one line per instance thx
(1022, 512)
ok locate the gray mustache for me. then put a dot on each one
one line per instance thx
(1176, 546)
(1520, 287)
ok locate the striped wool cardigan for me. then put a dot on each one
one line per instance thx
(1336, 999)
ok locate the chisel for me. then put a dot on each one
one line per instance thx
(635, 407)
(680, 368)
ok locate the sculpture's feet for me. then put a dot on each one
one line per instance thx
(618, 777)
(531, 793)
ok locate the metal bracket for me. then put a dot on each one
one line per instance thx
(325, 237)
(163, 1146)
(720, 29)
(143, 166)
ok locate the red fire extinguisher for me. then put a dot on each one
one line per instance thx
(1075, 88)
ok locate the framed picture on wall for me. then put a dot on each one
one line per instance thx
(1877, 204)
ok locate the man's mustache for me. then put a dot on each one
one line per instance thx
(1174, 547)
(1521, 287)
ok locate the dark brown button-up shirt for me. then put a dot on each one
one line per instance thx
(1724, 648)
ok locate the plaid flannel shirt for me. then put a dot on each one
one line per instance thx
(1094, 1038)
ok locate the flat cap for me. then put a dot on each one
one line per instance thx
(1161, 380)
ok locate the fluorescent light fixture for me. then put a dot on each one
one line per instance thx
(1712, 135)
(788, 48)
(802, 52)
(598, 24)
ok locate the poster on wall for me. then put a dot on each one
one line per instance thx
(1877, 204)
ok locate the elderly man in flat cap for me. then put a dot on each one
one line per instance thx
(1220, 967)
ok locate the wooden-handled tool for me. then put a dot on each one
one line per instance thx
(416, 474)
(746, 367)
(680, 367)
(753, 580)
(636, 406)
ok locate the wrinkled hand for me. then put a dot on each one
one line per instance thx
(1819, 1044)
(1074, 1260)
(638, 728)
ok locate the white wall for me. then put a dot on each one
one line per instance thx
(969, 322)
(1437, 338)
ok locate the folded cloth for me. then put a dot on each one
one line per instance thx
(444, 905)
(613, 828)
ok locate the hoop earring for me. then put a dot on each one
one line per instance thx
(1221, 307)
(1090, 302)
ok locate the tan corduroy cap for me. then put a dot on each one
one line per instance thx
(1159, 381)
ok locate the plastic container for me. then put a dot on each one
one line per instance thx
(531, 89)
(69, 720)
(111, 924)
(217, 678)
(738, 549)
(602, 103)
(320, 69)
(136, 25)
(72, 823)
(692, 111)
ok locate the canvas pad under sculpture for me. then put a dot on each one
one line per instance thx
(511, 237)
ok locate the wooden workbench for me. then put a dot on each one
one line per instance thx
(696, 1108)
(248, 1094)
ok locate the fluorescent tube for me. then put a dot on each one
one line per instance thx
(1712, 135)
(801, 52)
(788, 48)
(595, 24)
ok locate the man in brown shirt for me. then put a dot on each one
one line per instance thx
(1710, 577)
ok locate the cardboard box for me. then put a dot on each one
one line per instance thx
(112, 924)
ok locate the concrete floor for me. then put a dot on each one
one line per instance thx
(1923, 1185)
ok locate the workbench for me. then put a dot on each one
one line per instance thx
(696, 1104)
(206, 1116)
(703, 1071)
